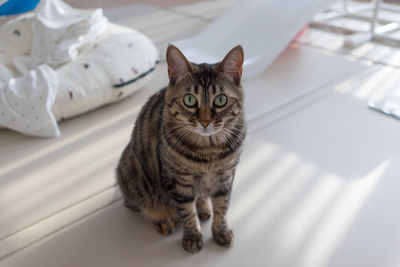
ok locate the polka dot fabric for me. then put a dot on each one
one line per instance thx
(15, 39)
(25, 103)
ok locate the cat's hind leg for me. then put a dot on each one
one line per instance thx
(126, 191)
(164, 218)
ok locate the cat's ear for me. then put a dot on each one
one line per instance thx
(232, 64)
(178, 65)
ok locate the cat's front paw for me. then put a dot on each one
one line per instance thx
(224, 237)
(204, 215)
(203, 208)
(192, 242)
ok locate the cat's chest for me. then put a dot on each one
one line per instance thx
(205, 184)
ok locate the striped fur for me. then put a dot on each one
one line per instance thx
(172, 173)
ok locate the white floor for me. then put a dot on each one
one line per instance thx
(317, 185)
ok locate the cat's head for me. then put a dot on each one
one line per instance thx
(205, 98)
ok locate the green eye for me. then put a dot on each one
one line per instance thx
(189, 100)
(220, 101)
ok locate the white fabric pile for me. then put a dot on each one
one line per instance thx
(59, 61)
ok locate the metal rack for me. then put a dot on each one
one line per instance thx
(379, 28)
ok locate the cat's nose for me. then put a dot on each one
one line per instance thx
(205, 123)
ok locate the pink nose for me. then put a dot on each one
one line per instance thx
(204, 123)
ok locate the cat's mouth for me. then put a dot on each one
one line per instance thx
(206, 131)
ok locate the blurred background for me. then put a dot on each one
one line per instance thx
(318, 182)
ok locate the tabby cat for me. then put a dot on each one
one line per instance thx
(180, 162)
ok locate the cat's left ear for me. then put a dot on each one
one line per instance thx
(232, 64)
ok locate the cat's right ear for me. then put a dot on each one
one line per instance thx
(232, 64)
(178, 65)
